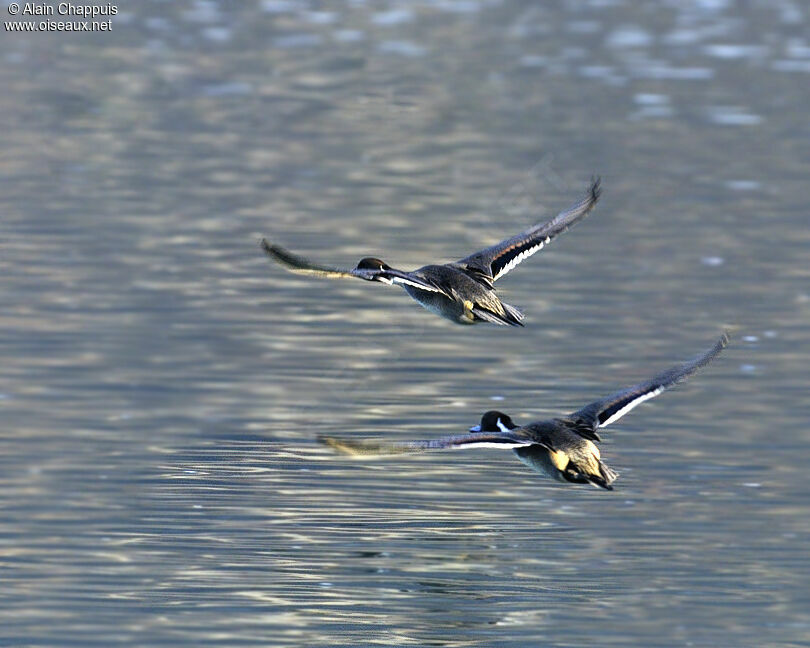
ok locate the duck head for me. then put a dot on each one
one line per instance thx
(494, 421)
(372, 263)
(373, 268)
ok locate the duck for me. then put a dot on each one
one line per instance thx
(562, 448)
(462, 291)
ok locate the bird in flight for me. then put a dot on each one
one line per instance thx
(563, 448)
(461, 291)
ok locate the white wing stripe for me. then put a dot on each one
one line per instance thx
(520, 257)
(415, 284)
(489, 444)
(637, 401)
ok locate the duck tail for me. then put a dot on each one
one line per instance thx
(513, 315)
(608, 475)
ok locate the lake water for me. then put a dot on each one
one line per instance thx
(162, 383)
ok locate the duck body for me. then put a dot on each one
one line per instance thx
(562, 453)
(463, 299)
(561, 448)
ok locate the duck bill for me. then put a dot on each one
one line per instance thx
(475, 428)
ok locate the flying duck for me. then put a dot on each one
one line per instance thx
(462, 291)
(563, 448)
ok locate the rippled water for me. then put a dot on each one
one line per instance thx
(162, 384)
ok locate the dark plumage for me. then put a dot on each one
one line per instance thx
(462, 291)
(563, 448)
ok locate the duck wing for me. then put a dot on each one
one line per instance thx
(603, 412)
(301, 265)
(504, 440)
(492, 263)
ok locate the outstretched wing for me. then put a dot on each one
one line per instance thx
(494, 262)
(604, 412)
(301, 265)
(370, 448)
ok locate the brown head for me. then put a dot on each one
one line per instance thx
(372, 263)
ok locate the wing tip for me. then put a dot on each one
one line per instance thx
(584, 207)
(721, 343)
(285, 258)
(358, 449)
(332, 442)
(595, 190)
(681, 372)
(275, 252)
